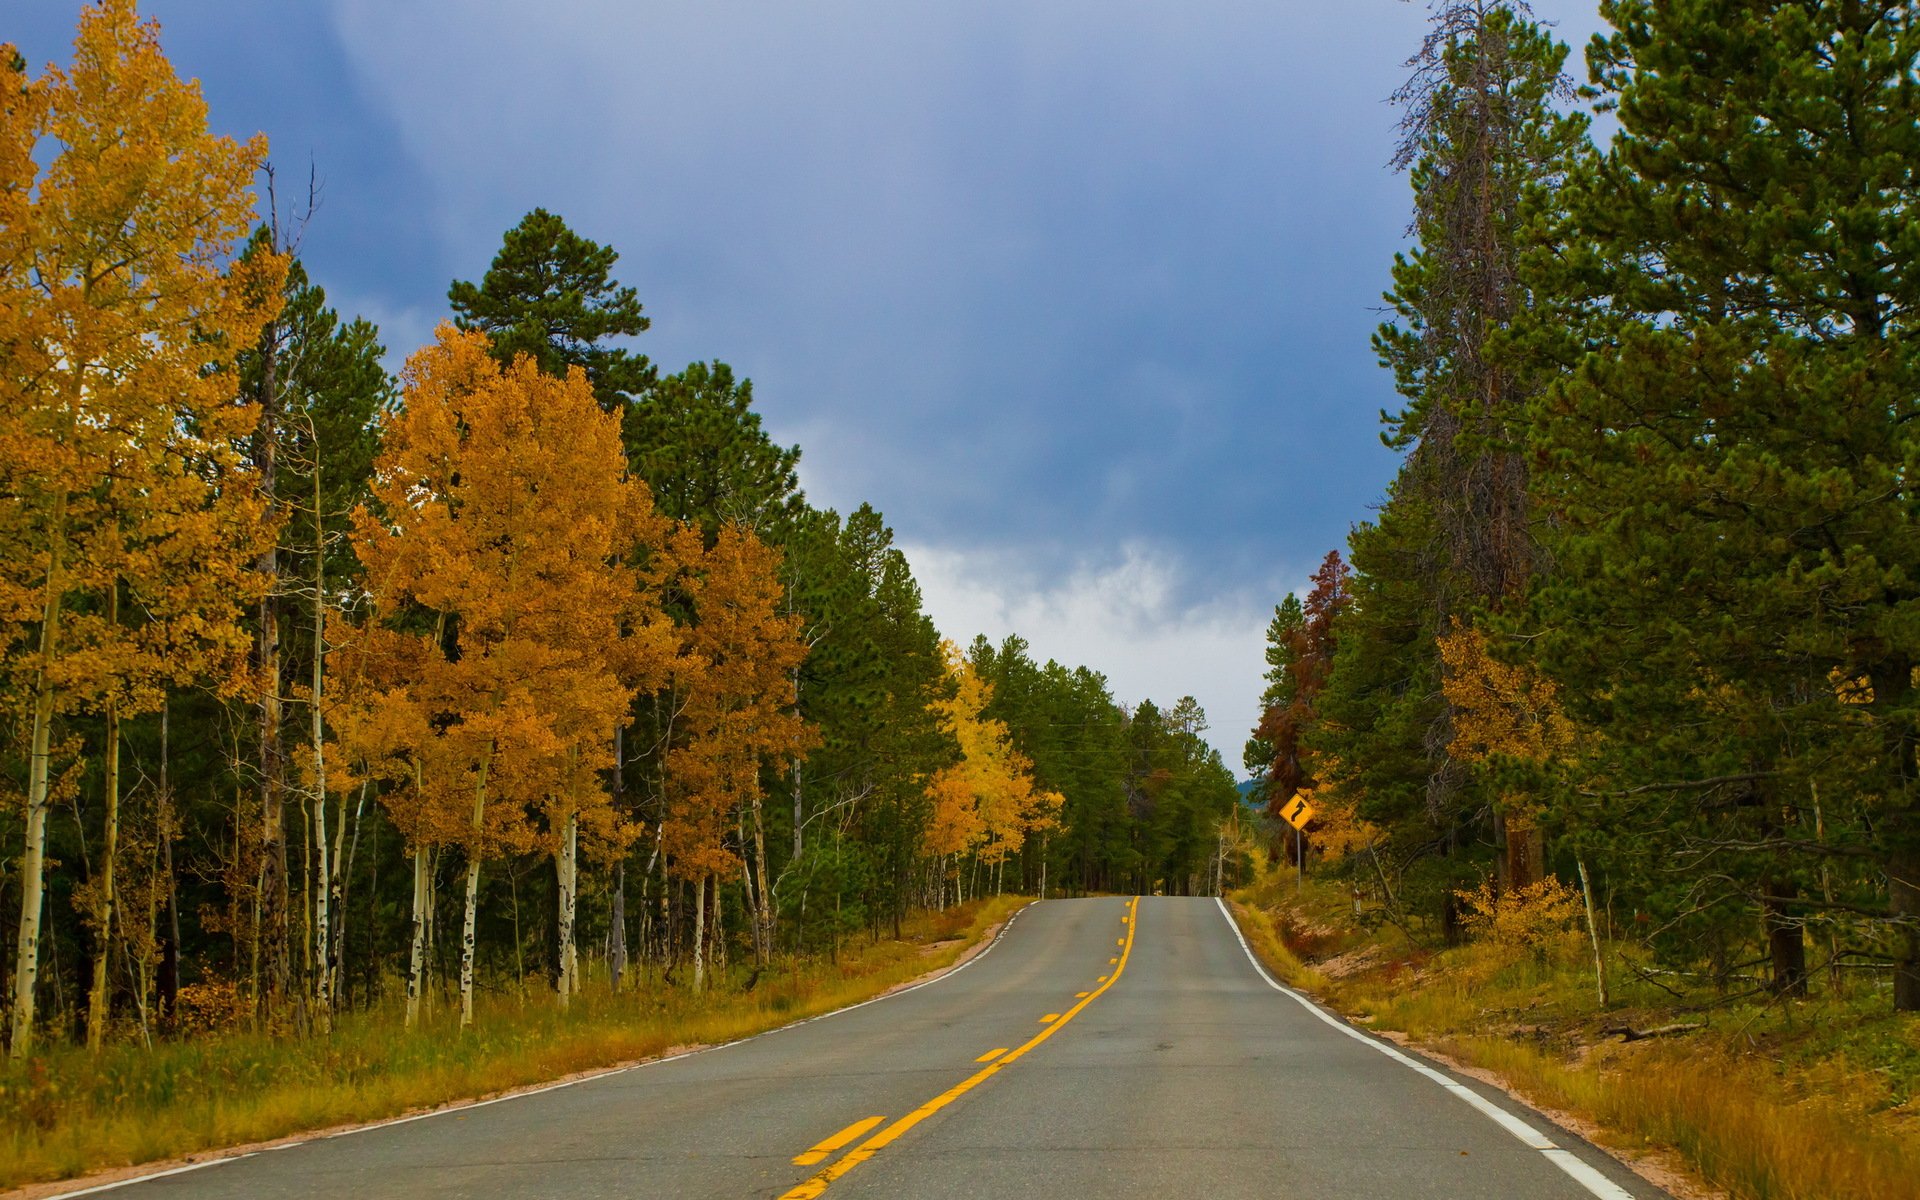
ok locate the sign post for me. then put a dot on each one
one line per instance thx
(1297, 812)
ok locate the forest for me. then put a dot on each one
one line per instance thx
(1632, 639)
(529, 671)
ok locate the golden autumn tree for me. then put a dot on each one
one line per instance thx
(1504, 711)
(983, 805)
(128, 518)
(499, 558)
(733, 692)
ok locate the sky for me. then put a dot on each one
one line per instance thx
(1078, 293)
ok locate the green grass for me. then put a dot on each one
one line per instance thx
(1813, 1100)
(65, 1112)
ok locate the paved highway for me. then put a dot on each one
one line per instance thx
(1102, 1048)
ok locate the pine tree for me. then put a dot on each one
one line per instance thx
(697, 441)
(1730, 454)
(550, 295)
(1481, 134)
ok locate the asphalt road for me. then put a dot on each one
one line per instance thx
(1141, 1054)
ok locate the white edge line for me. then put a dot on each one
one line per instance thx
(949, 973)
(199, 1166)
(1577, 1169)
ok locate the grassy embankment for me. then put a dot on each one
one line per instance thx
(1810, 1100)
(65, 1112)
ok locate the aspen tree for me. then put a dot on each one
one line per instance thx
(734, 674)
(121, 308)
(504, 510)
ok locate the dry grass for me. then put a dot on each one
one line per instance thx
(66, 1112)
(1815, 1101)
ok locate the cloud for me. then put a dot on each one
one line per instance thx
(1122, 617)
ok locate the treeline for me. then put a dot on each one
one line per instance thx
(1639, 610)
(531, 667)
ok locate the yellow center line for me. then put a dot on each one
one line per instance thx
(822, 1149)
(819, 1182)
(990, 1055)
(1049, 1018)
(1079, 995)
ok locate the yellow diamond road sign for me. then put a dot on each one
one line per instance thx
(1297, 812)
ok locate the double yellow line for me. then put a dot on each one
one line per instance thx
(879, 1141)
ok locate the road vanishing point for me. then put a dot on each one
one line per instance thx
(1100, 1048)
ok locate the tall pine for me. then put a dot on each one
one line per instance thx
(1731, 455)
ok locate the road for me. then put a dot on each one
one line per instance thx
(1141, 1053)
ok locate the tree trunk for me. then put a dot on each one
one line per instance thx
(99, 998)
(473, 892)
(337, 887)
(1903, 881)
(699, 936)
(167, 986)
(1786, 941)
(26, 967)
(763, 903)
(326, 873)
(417, 961)
(617, 927)
(1892, 683)
(466, 939)
(1593, 933)
(275, 887)
(566, 869)
(797, 810)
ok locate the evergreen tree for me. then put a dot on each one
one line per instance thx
(698, 443)
(1731, 453)
(550, 294)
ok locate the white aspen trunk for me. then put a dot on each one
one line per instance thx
(566, 868)
(473, 892)
(1593, 933)
(99, 1001)
(325, 872)
(26, 969)
(143, 962)
(617, 928)
(718, 944)
(699, 936)
(337, 889)
(466, 940)
(417, 962)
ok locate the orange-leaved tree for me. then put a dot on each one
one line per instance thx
(733, 697)
(129, 517)
(499, 556)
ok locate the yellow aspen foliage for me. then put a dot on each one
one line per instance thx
(985, 803)
(497, 552)
(732, 694)
(1338, 829)
(129, 518)
(1500, 711)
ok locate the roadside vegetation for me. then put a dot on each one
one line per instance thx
(68, 1111)
(1600, 745)
(1761, 1097)
(521, 700)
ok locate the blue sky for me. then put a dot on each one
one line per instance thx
(1078, 294)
